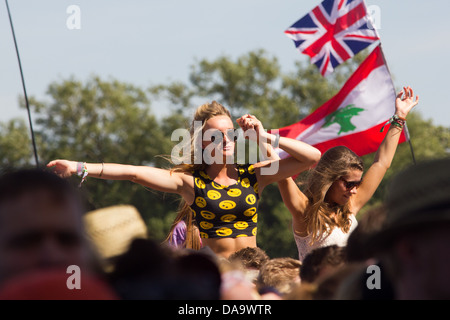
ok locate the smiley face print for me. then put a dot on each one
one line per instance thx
(241, 225)
(217, 186)
(250, 212)
(207, 214)
(250, 199)
(206, 225)
(213, 194)
(224, 232)
(227, 204)
(200, 183)
(228, 218)
(200, 202)
(245, 183)
(234, 192)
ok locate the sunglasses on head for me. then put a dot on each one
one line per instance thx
(218, 135)
(349, 185)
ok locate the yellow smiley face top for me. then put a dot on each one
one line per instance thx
(226, 211)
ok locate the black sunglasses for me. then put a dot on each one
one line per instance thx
(349, 185)
(232, 135)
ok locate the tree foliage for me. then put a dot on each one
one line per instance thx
(14, 144)
(111, 121)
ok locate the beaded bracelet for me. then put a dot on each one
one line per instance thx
(396, 121)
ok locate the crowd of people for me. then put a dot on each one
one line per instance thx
(398, 250)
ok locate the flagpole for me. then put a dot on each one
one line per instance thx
(409, 141)
(406, 131)
(23, 86)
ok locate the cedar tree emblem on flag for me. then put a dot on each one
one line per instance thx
(343, 118)
(355, 115)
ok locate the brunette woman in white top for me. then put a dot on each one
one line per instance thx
(324, 213)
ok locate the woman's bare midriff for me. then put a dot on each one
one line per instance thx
(224, 247)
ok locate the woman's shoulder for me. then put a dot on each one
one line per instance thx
(180, 226)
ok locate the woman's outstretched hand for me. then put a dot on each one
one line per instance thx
(63, 168)
(405, 101)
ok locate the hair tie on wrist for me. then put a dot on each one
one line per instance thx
(101, 172)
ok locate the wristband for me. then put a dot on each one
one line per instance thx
(277, 141)
(101, 172)
(82, 172)
(396, 121)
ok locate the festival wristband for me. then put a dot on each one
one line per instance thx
(82, 172)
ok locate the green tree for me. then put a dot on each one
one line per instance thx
(428, 141)
(110, 121)
(15, 144)
(105, 121)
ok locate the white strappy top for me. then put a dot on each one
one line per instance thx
(337, 237)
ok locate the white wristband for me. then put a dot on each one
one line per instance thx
(277, 141)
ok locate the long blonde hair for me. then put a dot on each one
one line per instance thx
(202, 114)
(334, 164)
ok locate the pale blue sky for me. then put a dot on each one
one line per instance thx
(152, 42)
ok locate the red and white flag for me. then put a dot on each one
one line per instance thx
(355, 115)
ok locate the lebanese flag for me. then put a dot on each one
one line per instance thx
(355, 115)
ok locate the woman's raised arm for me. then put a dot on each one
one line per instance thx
(404, 102)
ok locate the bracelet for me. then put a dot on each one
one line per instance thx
(79, 169)
(396, 121)
(277, 141)
(101, 172)
(82, 172)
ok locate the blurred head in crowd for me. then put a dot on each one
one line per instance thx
(280, 274)
(322, 261)
(252, 259)
(369, 224)
(414, 242)
(40, 224)
(148, 271)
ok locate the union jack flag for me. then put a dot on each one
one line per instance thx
(333, 32)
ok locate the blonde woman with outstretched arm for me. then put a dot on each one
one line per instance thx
(219, 198)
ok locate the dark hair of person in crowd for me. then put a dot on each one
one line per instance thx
(149, 271)
(280, 274)
(250, 257)
(41, 224)
(412, 244)
(370, 222)
(322, 261)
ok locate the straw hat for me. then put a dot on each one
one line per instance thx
(113, 228)
(418, 197)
